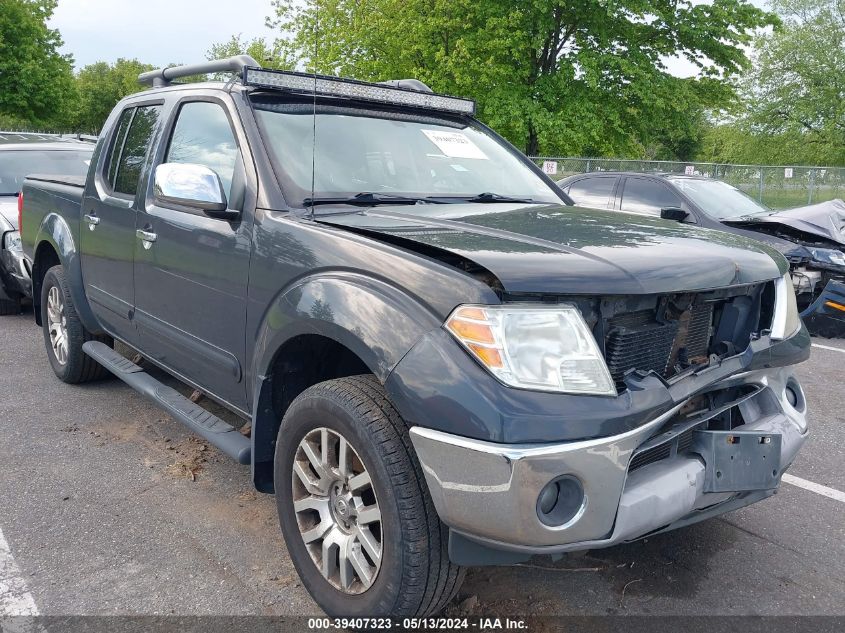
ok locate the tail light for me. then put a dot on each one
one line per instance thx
(20, 211)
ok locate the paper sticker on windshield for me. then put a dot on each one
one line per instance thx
(455, 144)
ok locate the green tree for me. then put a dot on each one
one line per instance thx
(738, 143)
(101, 85)
(36, 80)
(267, 55)
(554, 76)
(797, 86)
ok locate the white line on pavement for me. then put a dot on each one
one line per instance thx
(828, 347)
(15, 598)
(814, 487)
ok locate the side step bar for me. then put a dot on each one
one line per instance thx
(225, 437)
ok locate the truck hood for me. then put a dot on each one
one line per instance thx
(8, 213)
(569, 250)
(826, 220)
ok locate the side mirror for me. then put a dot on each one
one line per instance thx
(674, 213)
(194, 186)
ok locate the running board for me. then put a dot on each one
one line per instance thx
(225, 437)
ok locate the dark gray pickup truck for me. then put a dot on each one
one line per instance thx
(443, 364)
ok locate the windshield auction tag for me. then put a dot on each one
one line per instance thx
(455, 144)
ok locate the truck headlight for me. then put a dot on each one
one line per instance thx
(828, 256)
(541, 348)
(12, 241)
(786, 320)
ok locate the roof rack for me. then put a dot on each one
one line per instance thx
(164, 76)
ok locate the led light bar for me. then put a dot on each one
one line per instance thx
(351, 89)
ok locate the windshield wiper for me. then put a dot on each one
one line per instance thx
(368, 199)
(749, 217)
(486, 197)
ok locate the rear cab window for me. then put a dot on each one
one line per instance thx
(130, 145)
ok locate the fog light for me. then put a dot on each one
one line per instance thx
(791, 397)
(561, 501)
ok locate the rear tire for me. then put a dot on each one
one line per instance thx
(406, 567)
(64, 333)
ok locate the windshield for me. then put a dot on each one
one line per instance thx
(719, 199)
(15, 165)
(390, 153)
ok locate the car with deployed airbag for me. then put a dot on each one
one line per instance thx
(812, 238)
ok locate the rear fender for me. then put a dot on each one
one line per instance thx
(55, 232)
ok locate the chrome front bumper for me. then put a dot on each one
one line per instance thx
(488, 492)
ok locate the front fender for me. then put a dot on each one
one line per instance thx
(55, 232)
(373, 319)
(376, 321)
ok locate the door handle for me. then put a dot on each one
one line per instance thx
(92, 220)
(147, 237)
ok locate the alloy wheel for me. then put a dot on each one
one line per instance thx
(337, 511)
(57, 324)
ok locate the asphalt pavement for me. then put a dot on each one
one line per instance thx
(108, 506)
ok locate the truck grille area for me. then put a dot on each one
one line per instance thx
(674, 333)
(636, 341)
(719, 410)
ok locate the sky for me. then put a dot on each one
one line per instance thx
(157, 32)
(162, 32)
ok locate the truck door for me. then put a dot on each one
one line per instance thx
(191, 279)
(107, 235)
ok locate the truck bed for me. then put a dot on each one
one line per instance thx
(50, 194)
(59, 179)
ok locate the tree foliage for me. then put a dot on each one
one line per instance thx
(554, 76)
(266, 54)
(36, 80)
(101, 85)
(796, 89)
(735, 143)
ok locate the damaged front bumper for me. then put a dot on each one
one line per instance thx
(15, 274)
(662, 475)
(826, 315)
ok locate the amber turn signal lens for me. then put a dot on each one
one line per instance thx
(472, 331)
(490, 356)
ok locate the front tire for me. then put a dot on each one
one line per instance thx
(64, 333)
(354, 509)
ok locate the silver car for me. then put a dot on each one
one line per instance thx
(22, 154)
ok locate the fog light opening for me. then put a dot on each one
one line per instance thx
(561, 501)
(794, 395)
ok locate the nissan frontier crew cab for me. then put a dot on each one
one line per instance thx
(443, 364)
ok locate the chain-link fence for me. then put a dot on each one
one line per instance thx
(776, 187)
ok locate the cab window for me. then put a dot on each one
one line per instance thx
(595, 192)
(202, 136)
(648, 197)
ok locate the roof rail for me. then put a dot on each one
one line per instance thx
(163, 76)
(408, 84)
